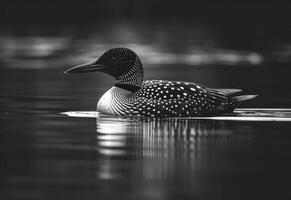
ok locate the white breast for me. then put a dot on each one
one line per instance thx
(109, 101)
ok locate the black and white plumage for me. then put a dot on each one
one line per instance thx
(131, 96)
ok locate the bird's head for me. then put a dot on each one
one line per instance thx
(116, 62)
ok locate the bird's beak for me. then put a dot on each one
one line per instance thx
(87, 67)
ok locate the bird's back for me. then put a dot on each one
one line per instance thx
(177, 98)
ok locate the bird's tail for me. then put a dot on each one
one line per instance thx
(244, 97)
(239, 99)
(229, 95)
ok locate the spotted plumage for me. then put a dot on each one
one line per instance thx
(131, 96)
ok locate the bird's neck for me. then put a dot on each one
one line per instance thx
(132, 80)
(129, 87)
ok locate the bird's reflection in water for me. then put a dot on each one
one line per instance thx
(158, 149)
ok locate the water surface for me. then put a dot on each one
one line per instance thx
(48, 155)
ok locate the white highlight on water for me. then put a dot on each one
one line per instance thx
(242, 114)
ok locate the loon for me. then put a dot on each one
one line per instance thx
(131, 96)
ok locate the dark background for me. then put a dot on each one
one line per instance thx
(244, 25)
